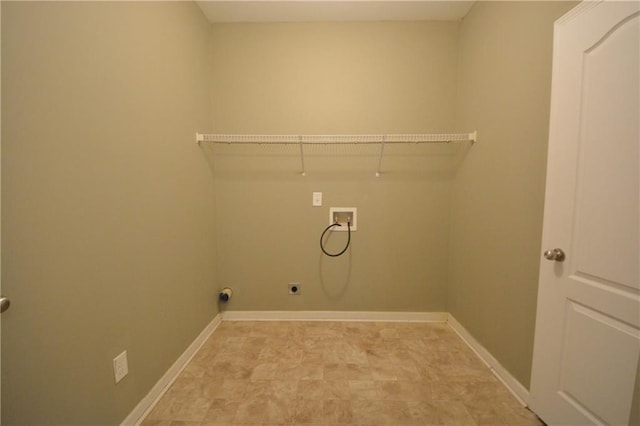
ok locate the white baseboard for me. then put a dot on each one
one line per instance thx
(335, 316)
(151, 399)
(515, 387)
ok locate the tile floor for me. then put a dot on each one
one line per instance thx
(337, 373)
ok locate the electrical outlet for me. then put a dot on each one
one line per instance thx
(120, 366)
(294, 288)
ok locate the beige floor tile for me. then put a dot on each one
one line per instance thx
(408, 371)
(336, 389)
(280, 353)
(337, 411)
(321, 329)
(278, 389)
(161, 411)
(383, 371)
(264, 371)
(333, 373)
(346, 371)
(230, 370)
(311, 389)
(323, 389)
(229, 389)
(289, 371)
(194, 370)
(251, 411)
(254, 344)
(221, 412)
(299, 371)
(309, 411)
(185, 386)
(439, 413)
(169, 423)
(363, 390)
(184, 409)
(269, 329)
(468, 390)
(265, 410)
(380, 412)
(486, 412)
(521, 416)
(312, 357)
(390, 331)
(401, 390)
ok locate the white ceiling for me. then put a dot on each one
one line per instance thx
(327, 10)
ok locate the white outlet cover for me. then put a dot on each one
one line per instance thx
(120, 366)
(317, 199)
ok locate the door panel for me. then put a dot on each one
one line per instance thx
(588, 320)
(606, 235)
(588, 331)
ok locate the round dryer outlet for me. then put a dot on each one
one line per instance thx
(294, 288)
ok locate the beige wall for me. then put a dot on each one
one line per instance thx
(496, 221)
(109, 207)
(107, 221)
(327, 78)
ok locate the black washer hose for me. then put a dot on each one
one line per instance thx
(345, 247)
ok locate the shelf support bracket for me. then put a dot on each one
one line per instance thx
(384, 138)
(303, 173)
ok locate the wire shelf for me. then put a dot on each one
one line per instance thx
(319, 140)
(336, 139)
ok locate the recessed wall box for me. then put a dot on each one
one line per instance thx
(342, 215)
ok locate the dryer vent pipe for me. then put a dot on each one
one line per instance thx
(225, 294)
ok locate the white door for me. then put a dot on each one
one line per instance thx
(587, 340)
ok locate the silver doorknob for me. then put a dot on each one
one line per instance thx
(555, 254)
(4, 304)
